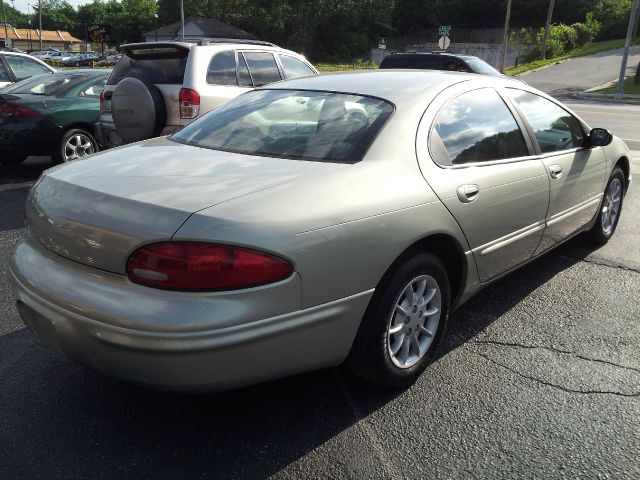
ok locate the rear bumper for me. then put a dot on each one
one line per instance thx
(230, 342)
(107, 134)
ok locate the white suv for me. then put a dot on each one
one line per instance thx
(159, 87)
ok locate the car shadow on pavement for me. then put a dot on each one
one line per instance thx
(27, 171)
(62, 420)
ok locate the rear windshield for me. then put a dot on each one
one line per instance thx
(412, 61)
(480, 66)
(46, 84)
(155, 65)
(319, 126)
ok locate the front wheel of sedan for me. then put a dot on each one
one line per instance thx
(610, 208)
(403, 323)
(75, 143)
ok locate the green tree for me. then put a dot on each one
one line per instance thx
(614, 17)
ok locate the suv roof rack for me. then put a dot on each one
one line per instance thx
(247, 41)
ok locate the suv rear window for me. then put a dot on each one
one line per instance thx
(412, 61)
(156, 65)
(305, 125)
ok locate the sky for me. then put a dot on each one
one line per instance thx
(22, 4)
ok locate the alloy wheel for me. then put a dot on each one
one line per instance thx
(414, 321)
(78, 146)
(611, 205)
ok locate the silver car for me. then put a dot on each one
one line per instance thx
(308, 223)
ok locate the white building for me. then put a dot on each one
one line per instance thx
(196, 28)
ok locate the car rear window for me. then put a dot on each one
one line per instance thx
(412, 61)
(307, 125)
(155, 65)
(47, 84)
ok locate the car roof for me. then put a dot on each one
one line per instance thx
(396, 86)
(85, 72)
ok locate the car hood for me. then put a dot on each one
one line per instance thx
(99, 210)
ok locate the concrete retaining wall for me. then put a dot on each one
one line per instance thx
(489, 52)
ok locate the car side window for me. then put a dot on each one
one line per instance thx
(294, 68)
(222, 69)
(4, 75)
(474, 127)
(244, 78)
(554, 127)
(263, 68)
(25, 67)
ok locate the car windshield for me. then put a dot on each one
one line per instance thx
(480, 66)
(40, 85)
(297, 124)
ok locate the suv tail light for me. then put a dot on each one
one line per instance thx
(102, 102)
(15, 110)
(189, 103)
(195, 266)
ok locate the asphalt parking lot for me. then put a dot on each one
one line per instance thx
(539, 377)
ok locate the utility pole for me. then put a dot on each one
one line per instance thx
(40, 21)
(625, 55)
(506, 37)
(182, 17)
(4, 14)
(546, 29)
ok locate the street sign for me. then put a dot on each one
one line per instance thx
(99, 33)
(444, 30)
(444, 42)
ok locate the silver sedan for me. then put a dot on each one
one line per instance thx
(311, 222)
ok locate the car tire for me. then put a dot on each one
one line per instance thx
(380, 345)
(75, 143)
(610, 208)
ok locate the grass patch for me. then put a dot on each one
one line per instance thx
(342, 67)
(628, 87)
(588, 49)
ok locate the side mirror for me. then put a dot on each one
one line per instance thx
(600, 137)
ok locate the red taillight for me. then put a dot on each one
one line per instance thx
(102, 103)
(189, 103)
(204, 267)
(15, 110)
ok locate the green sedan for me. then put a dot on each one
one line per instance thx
(51, 115)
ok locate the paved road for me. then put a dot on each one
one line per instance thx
(539, 377)
(581, 73)
(622, 120)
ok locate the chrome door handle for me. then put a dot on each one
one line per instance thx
(555, 171)
(468, 193)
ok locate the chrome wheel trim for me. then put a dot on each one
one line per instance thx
(77, 146)
(414, 321)
(611, 205)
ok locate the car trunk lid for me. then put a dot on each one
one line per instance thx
(98, 211)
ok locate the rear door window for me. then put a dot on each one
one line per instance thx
(294, 68)
(263, 68)
(244, 77)
(154, 65)
(477, 126)
(222, 69)
(25, 67)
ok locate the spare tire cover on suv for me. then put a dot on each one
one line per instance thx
(138, 110)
